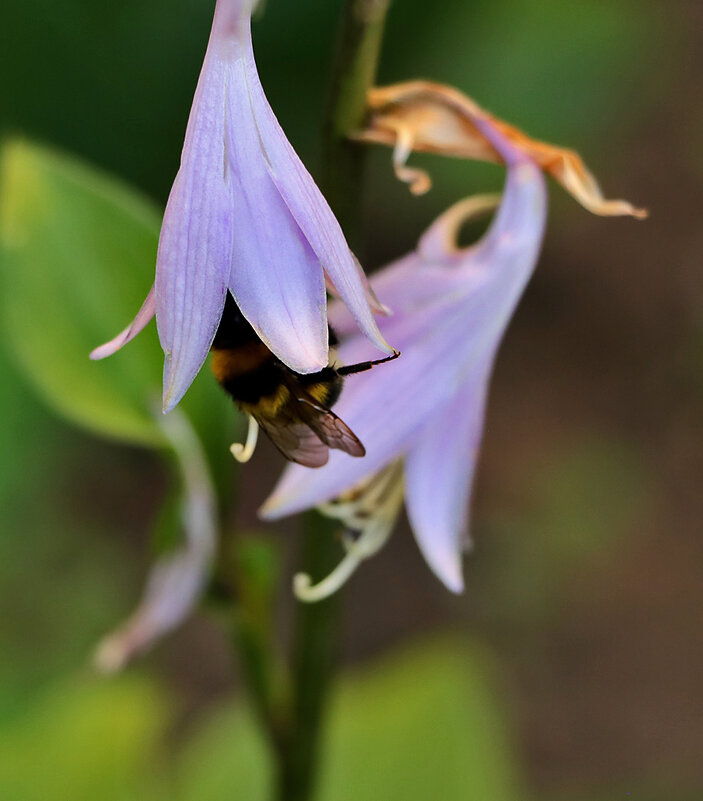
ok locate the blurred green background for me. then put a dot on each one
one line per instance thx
(571, 668)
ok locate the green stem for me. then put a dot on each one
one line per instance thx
(290, 702)
(314, 649)
(315, 639)
(354, 73)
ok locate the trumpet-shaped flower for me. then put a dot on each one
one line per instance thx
(451, 307)
(244, 215)
(430, 117)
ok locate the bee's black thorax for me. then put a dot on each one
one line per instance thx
(251, 374)
(234, 329)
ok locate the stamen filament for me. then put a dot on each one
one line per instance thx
(242, 453)
(418, 179)
(305, 590)
(371, 511)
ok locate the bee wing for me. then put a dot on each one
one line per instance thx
(298, 442)
(335, 433)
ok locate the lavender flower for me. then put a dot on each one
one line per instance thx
(451, 307)
(245, 215)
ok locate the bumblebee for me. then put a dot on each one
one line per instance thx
(293, 409)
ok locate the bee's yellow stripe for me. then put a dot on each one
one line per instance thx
(239, 361)
(270, 405)
(320, 392)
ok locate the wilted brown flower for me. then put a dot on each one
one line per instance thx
(430, 117)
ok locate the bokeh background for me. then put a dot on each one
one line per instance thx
(571, 668)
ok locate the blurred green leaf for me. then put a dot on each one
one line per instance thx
(422, 725)
(84, 741)
(419, 725)
(78, 593)
(77, 257)
(228, 759)
(25, 437)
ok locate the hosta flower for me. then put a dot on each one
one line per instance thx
(430, 117)
(244, 215)
(421, 418)
(450, 307)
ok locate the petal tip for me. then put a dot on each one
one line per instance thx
(172, 392)
(98, 353)
(448, 569)
(170, 401)
(271, 508)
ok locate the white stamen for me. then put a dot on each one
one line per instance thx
(305, 590)
(418, 179)
(371, 509)
(242, 453)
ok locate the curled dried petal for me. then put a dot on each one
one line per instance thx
(430, 117)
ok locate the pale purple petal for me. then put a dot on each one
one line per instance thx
(311, 211)
(439, 471)
(195, 247)
(177, 580)
(442, 341)
(276, 278)
(385, 407)
(144, 315)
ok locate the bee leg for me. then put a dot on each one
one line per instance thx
(362, 367)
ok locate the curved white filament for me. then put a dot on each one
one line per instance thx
(242, 453)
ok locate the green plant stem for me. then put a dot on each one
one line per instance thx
(313, 655)
(290, 701)
(316, 632)
(356, 63)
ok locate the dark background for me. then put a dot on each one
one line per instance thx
(586, 583)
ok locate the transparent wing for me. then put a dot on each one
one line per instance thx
(334, 432)
(296, 441)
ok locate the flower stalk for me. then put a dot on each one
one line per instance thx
(315, 637)
(355, 68)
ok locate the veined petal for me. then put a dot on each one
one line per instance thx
(276, 277)
(311, 211)
(439, 471)
(427, 116)
(385, 408)
(195, 247)
(144, 315)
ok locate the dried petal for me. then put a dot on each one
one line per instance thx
(430, 117)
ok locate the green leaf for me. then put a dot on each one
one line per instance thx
(77, 253)
(84, 741)
(418, 725)
(228, 759)
(423, 725)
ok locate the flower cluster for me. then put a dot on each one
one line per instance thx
(245, 217)
(450, 308)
